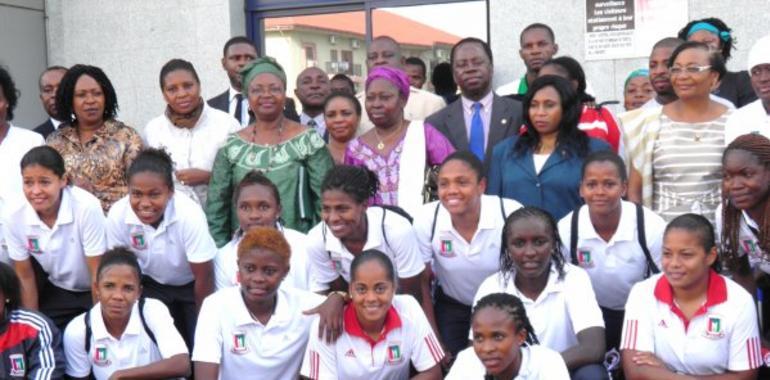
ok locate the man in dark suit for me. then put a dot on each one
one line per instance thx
(479, 119)
(49, 83)
(239, 51)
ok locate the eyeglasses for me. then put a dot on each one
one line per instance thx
(689, 70)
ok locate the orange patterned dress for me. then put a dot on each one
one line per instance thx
(102, 161)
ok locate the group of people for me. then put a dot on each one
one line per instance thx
(526, 232)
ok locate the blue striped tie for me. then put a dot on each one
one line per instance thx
(477, 132)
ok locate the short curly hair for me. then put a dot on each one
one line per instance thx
(10, 92)
(266, 238)
(66, 92)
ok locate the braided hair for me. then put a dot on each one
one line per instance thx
(726, 40)
(506, 262)
(358, 182)
(512, 306)
(759, 147)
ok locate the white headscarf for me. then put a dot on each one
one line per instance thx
(760, 52)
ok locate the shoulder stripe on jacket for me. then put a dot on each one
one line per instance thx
(46, 353)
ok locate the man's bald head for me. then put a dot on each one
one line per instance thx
(384, 51)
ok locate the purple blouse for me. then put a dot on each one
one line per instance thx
(386, 166)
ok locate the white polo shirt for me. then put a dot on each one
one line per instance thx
(331, 259)
(406, 338)
(537, 362)
(192, 148)
(722, 336)
(564, 308)
(227, 335)
(226, 262)
(17, 142)
(134, 348)
(751, 118)
(614, 266)
(164, 253)
(62, 250)
(3, 245)
(461, 266)
(748, 242)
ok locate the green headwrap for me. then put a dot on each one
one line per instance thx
(635, 74)
(259, 66)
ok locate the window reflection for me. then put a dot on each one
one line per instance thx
(336, 42)
(333, 42)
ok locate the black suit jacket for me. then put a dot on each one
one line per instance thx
(45, 129)
(222, 103)
(736, 87)
(505, 121)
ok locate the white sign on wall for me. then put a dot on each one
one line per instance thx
(628, 28)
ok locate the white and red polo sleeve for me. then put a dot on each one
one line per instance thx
(638, 328)
(427, 350)
(745, 347)
(320, 362)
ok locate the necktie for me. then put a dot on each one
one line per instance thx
(477, 132)
(313, 124)
(239, 108)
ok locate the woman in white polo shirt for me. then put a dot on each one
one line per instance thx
(124, 336)
(167, 232)
(505, 345)
(260, 328)
(382, 333)
(55, 238)
(558, 296)
(349, 227)
(189, 129)
(616, 242)
(690, 320)
(459, 238)
(257, 204)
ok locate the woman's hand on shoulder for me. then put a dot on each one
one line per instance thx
(330, 316)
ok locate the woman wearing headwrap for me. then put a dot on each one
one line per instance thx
(394, 140)
(637, 90)
(734, 86)
(292, 156)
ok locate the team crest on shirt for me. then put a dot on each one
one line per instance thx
(33, 245)
(239, 343)
(749, 246)
(714, 328)
(18, 367)
(394, 353)
(138, 241)
(101, 356)
(445, 249)
(337, 265)
(585, 258)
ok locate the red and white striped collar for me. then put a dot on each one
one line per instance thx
(353, 326)
(716, 293)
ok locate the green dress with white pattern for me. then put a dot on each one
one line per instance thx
(296, 167)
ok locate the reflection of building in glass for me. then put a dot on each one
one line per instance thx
(336, 42)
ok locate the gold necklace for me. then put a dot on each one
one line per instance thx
(381, 144)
